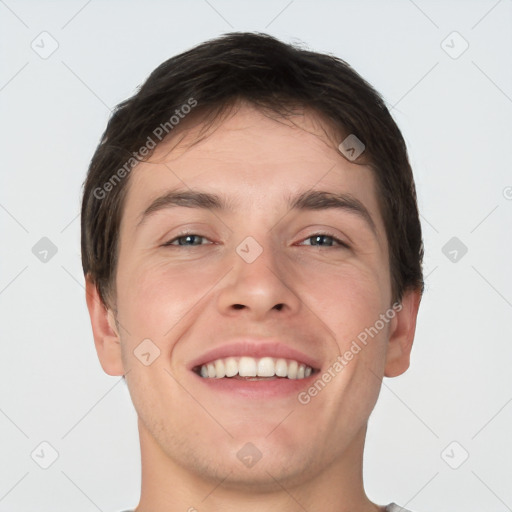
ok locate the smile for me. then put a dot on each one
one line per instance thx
(254, 368)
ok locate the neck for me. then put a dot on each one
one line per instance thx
(169, 487)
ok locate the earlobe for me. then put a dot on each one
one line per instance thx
(401, 335)
(106, 336)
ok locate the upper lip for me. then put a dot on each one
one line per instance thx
(252, 347)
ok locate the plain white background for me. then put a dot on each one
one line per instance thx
(455, 111)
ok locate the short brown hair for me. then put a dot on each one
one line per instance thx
(263, 71)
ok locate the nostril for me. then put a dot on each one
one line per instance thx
(238, 306)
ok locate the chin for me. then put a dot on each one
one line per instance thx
(257, 465)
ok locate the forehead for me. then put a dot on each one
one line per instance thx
(255, 160)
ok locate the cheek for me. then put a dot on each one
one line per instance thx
(349, 298)
(153, 296)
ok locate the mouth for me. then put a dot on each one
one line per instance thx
(254, 369)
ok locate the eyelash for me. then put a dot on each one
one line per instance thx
(340, 243)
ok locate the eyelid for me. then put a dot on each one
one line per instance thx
(332, 235)
(169, 242)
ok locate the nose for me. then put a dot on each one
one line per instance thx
(258, 287)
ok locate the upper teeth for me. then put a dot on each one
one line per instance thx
(251, 367)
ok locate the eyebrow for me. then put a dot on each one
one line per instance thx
(308, 200)
(322, 200)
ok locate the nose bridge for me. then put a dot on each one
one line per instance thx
(257, 262)
(257, 280)
(257, 259)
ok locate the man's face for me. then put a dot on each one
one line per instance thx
(256, 280)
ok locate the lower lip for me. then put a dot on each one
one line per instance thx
(266, 388)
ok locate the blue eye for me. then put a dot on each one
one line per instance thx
(318, 239)
(187, 240)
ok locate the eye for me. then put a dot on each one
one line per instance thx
(186, 240)
(326, 240)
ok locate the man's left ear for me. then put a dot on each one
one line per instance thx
(401, 335)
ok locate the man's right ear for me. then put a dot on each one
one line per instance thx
(106, 337)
